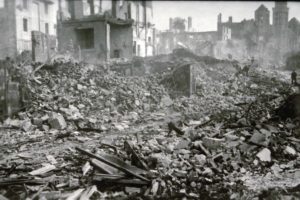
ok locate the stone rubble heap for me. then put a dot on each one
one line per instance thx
(92, 134)
(73, 95)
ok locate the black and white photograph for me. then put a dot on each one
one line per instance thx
(149, 100)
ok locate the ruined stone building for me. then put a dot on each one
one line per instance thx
(199, 42)
(141, 12)
(98, 30)
(260, 39)
(257, 37)
(294, 33)
(280, 25)
(21, 21)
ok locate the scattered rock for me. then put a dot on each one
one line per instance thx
(57, 121)
(166, 101)
(264, 155)
(26, 125)
(259, 139)
(289, 150)
(200, 159)
(38, 122)
(208, 172)
(213, 143)
(182, 144)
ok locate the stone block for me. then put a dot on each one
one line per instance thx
(290, 151)
(259, 139)
(213, 143)
(26, 125)
(38, 122)
(57, 121)
(264, 155)
(200, 159)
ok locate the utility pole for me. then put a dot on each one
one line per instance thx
(146, 27)
(5, 109)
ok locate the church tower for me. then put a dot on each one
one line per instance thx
(280, 25)
(262, 21)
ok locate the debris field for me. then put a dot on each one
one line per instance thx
(87, 132)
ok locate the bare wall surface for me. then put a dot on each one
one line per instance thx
(68, 40)
(8, 30)
(121, 41)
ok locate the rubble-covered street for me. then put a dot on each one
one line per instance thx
(88, 132)
(148, 99)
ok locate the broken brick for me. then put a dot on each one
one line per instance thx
(57, 121)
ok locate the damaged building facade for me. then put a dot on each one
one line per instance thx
(201, 43)
(268, 43)
(101, 30)
(25, 25)
(141, 12)
(258, 38)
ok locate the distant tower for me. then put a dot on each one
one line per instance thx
(262, 20)
(262, 15)
(220, 18)
(190, 23)
(219, 26)
(280, 24)
(170, 23)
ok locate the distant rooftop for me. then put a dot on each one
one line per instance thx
(262, 7)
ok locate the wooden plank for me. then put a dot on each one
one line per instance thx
(102, 167)
(113, 164)
(76, 194)
(88, 193)
(118, 179)
(21, 181)
(42, 170)
(128, 146)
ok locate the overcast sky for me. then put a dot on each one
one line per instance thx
(204, 13)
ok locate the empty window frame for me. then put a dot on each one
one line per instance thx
(25, 25)
(46, 28)
(134, 48)
(85, 38)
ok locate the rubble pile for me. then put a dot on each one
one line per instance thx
(221, 87)
(88, 96)
(220, 84)
(226, 142)
(214, 161)
(191, 159)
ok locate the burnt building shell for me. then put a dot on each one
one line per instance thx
(97, 38)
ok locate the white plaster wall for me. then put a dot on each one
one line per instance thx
(24, 38)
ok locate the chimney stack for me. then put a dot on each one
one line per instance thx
(220, 18)
(230, 19)
(170, 23)
(189, 23)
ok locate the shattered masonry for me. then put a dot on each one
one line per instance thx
(94, 133)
